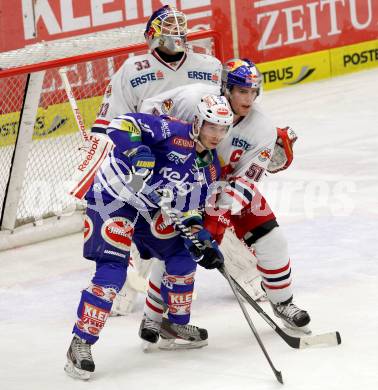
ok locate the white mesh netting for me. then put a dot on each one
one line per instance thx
(55, 148)
(70, 47)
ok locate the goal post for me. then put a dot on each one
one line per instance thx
(40, 141)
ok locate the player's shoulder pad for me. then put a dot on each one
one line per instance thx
(125, 122)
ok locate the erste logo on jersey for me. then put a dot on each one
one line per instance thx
(177, 157)
(240, 143)
(118, 232)
(153, 76)
(207, 76)
(162, 229)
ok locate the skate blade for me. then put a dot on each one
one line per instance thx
(174, 344)
(75, 372)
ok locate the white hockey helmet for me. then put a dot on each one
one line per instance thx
(167, 27)
(213, 109)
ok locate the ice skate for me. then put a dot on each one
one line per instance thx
(80, 363)
(149, 332)
(292, 316)
(175, 336)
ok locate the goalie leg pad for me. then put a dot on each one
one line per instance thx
(241, 264)
(273, 262)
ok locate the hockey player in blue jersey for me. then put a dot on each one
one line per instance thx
(150, 154)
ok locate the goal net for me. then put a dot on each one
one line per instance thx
(40, 143)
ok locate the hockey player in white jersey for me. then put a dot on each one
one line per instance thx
(251, 148)
(168, 65)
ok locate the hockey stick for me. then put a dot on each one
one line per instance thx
(97, 147)
(71, 98)
(327, 339)
(188, 234)
(225, 273)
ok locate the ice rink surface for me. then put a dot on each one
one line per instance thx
(327, 204)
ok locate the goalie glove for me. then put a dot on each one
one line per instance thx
(283, 150)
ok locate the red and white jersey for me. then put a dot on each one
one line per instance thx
(245, 152)
(147, 75)
(244, 155)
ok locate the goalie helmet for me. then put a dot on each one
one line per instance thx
(241, 72)
(214, 109)
(167, 27)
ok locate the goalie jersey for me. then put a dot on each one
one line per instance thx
(177, 166)
(147, 75)
(244, 154)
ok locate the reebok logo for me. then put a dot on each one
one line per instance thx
(90, 154)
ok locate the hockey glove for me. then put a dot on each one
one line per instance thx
(142, 164)
(283, 150)
(217, 225)
(210, 256)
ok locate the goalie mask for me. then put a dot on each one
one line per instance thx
(213, 109)
(167, 27)
(242, 73)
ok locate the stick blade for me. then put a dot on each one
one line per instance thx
(325, 339)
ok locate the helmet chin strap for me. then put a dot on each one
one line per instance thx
(198, 141)
(195, 136)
